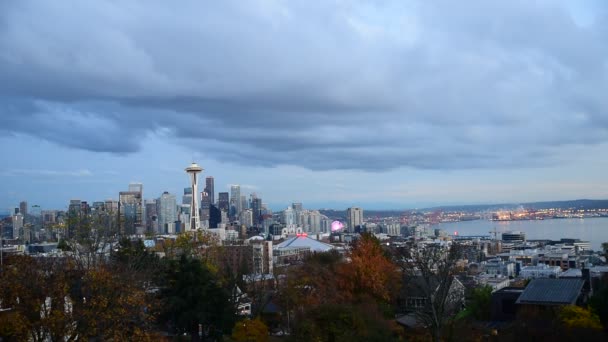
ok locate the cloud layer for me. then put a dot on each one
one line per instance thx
(322, 85)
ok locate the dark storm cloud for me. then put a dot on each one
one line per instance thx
(325, 85)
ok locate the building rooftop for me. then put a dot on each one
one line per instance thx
(305, 241)
(552, 291)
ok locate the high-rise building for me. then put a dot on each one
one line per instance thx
(244, 204)
(235, 198)
(256, 208)
(151, 216)
(187, 198)
(215, 216)
(223, 201)
(209, 188)
(136, 187)
(23, 209)
(130, 212)
(297, 207)
(354, 217)
(193, 170)
(246, 217)
(314, 221)
(205, 205)
(289, 217)
(18, 226)
(167, 212)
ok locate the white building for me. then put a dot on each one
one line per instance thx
(354, 217)
(246, 217)
(540, 271)
(289, 217)
(17, 226)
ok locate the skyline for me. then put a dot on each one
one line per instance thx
(333, 105)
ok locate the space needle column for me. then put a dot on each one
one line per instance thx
(193, 170)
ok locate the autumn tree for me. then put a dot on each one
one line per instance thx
(253, 330)
(358, 287)
(52, 299)
(430, 271)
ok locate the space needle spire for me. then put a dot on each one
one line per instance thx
(193, 170)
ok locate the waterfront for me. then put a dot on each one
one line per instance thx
(594, 230)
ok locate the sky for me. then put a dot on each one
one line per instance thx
(378, 104)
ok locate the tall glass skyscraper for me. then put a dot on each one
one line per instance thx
(167, 213)
(209, 189)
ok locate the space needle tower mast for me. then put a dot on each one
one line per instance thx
(193, 170)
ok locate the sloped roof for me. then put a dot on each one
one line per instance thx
(552, 291)
(305, 241)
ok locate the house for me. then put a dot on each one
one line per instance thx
(503, 307)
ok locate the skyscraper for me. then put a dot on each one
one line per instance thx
(137, 187)
(354, 217)
(205, 205)
(256, 207)
(167, 212)
(130, 212)
(235, 198)
(223, 201)
(193, 170)
(23, 209)
(152, 216)
(209, 188)
(187, 198)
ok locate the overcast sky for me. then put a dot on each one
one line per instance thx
(382, 104)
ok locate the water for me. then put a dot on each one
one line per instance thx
(594, 230)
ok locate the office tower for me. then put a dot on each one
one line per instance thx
(209, 188)
(205, 205)
(130, 212)
(246, 217)
(152, 216)
(289, 217)
(167, 212)
(244, 204)
(256, 207)
(215, 216)
(314, 221)
(223, 202)
(111, 206)
(17, 226)
(235, 198)
(193, 170)
(187, 198)
(137, 187)
(23, 209)
(354, 218)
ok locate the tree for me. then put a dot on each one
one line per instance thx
(191, 296)
(250, 330)
(599, 305)
(53, 299)
(336, 298)
(577, 317)
(370, 272)
(479, 305)
(430, 271)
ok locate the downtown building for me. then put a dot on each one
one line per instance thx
(354, 218)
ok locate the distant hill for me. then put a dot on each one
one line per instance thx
(571, 204)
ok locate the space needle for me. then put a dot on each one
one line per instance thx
(193, 170)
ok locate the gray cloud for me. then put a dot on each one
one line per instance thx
(321, 85)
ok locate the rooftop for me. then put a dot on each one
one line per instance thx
(305, 241)
(552, 291)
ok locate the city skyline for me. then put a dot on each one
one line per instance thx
(380, 106)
